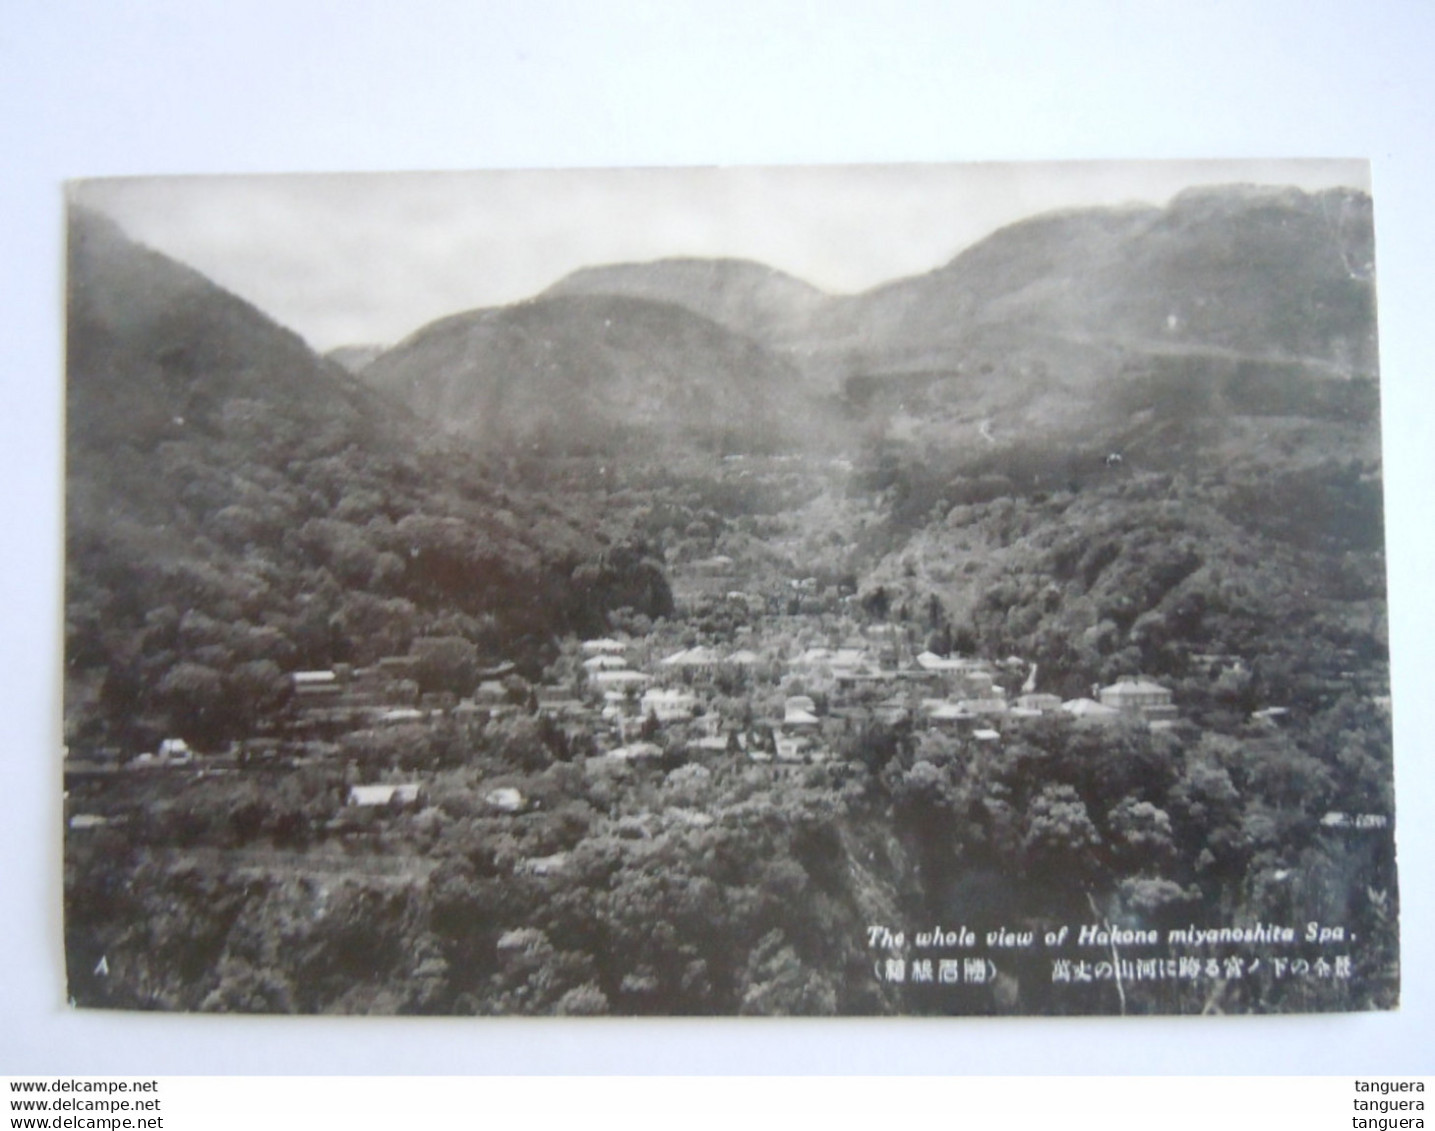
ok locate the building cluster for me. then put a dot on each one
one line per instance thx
(345, 697)
(792, 707)
(622, 706)
(769, 702)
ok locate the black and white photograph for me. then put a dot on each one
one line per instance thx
(870, 590)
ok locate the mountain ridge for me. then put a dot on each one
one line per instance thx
(238, 507)
(578, 372)
(1047, 318)
(752, 298)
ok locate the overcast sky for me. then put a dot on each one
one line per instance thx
(347, 259)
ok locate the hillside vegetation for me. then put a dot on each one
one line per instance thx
(840, 539)
(238, 508)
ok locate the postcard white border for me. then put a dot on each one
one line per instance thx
(171, 86)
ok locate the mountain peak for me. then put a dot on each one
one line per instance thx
(751, 298)
(580, 372)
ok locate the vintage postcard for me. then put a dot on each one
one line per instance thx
(945, 590)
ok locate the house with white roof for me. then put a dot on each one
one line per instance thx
(313, 683)
(622, 678)
(668, 704)
(800, 711)
(991, 706)
(940, 712)
(1137, 695)
(401, 793)
(1091, 710)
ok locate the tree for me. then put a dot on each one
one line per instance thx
(446, 663)
(258, 690)
(1142, 834)
(193, 696)
(877, 603)
(776, 984)
(518, 741)
(1060, 837)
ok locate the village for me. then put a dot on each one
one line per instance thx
(677, 735)
(697, 649)
(773, 702)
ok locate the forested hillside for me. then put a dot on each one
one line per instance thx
(238, 508)
(1010, 639)
(595, 374)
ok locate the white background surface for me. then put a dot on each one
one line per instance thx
(184, 86)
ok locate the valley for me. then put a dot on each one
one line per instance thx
(638, 647)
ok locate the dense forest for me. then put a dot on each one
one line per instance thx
(704, 886)
(239, 509)
(816, 524)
